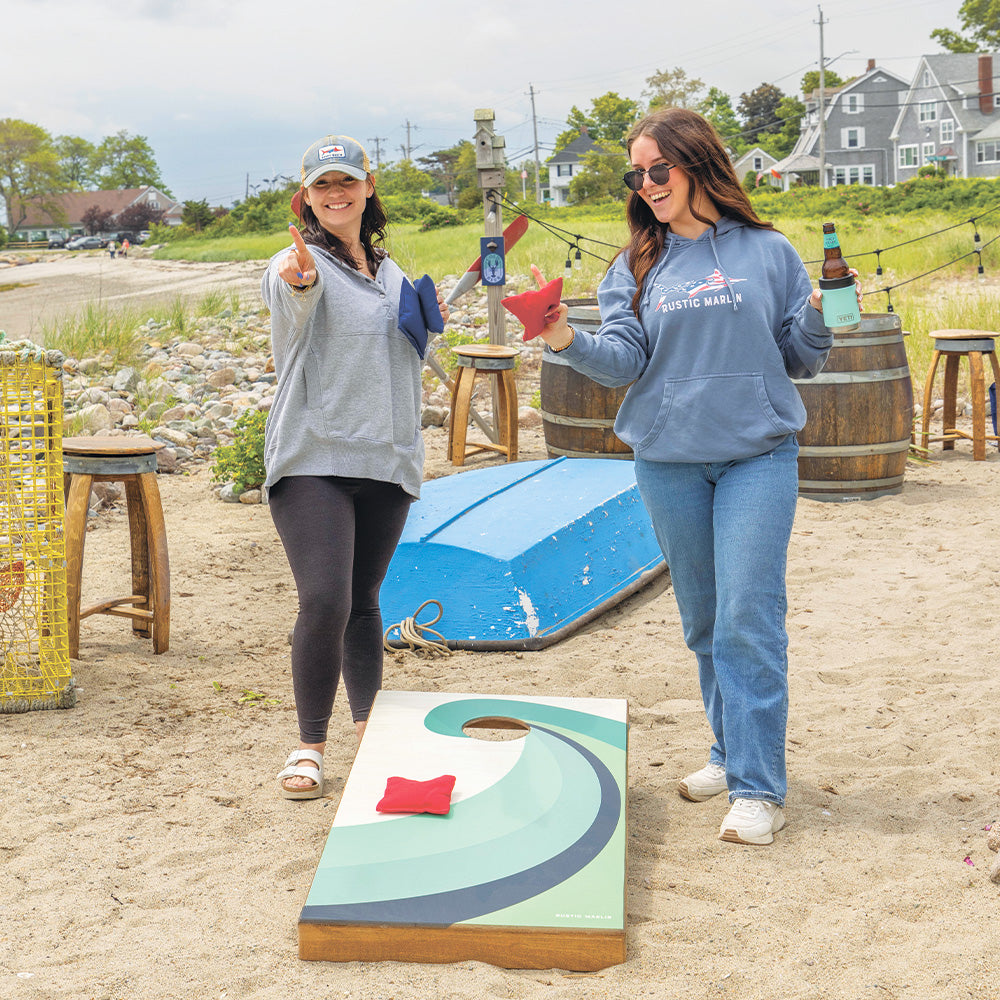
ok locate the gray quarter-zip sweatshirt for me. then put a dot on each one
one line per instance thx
(348, 394)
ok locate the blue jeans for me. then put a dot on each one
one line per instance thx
(724, 529)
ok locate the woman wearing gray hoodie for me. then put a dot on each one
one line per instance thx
(708, 312)
(343, 448)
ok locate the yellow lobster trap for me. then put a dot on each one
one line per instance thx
(34, 642)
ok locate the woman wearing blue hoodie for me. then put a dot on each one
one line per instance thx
(708, 312)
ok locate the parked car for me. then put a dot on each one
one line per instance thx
(143, 236)
(85, 243)
(57, 240)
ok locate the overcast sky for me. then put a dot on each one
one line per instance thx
(225, 90)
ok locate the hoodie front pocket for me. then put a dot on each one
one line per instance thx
(713, 418)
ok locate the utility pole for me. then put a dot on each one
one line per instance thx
(247, 195)
(408, 149)
(378, 150)
(538, 166)
(822, 103)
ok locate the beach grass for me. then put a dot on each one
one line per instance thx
(928, 255)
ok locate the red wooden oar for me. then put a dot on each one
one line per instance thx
(471, 278)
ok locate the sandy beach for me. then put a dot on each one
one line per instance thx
(146, 854)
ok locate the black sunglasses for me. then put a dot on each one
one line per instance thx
(659, 173)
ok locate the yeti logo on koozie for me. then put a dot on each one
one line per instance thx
(332, 152)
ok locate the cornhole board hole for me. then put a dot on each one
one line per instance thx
(526, 871)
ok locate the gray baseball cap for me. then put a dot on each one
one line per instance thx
(334, 152)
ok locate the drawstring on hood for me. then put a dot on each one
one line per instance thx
(718, 264)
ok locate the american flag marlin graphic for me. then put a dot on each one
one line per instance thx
(713, 283)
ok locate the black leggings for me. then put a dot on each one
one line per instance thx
(339, 535)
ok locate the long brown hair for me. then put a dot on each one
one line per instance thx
(373, 226)
(686, 138)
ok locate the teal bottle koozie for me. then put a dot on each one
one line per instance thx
(841, 312)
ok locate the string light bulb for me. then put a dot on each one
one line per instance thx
(569, 266)
(979, 266)
(578, 261)
(878, 262)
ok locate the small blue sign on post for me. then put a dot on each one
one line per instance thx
(492, 262)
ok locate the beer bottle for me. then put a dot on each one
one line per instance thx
(841, 313)
(834, 265)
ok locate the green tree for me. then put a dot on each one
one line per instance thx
(672, 88)
(981, 19)
(126, 161)
(601, 175)
(401, 178)
(758, 109)
(29, 170)
(441, 167)
(609, 119)
(717, 107)
(810, 81)
(779, 144)
(75, 157)
(197, 215)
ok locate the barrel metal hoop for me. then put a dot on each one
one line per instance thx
(588, 454)
(834, 450)
(852, 378)
(962, 346)
(567, 421)
(893, 338)
(848, 484)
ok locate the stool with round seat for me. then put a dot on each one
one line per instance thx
(497, 361)
(953, 345)
(131, 461)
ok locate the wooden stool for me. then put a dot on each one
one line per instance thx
(954, 344)
(132, 461)
(497, 361)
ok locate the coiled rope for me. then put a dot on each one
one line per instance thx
(412, 633)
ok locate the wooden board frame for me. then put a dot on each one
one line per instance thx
(544, 816)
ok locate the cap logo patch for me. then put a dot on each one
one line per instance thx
(332, 152)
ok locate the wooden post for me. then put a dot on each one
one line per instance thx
(490, 166)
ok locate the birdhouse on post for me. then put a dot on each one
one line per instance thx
(490, 159)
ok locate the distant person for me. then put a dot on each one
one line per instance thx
(112, 248)
(125, 247)
(343, 446)
(709, 313)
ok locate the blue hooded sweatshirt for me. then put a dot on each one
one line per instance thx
(724, 325)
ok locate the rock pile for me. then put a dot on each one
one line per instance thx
(189, 389)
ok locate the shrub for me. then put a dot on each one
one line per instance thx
(439, 218)
(242, 462)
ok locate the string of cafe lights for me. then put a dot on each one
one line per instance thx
(575, 252)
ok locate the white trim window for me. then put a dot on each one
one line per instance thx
(908, 156)
(947, 129)
(926, 152)
(988, 152)
(927, 78)
(854, 104)
(863, 174)
(928, 111)
(758, 163)
(852, 138)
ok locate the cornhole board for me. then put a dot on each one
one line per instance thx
(527, 870)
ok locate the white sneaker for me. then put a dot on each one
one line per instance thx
(752, 821)
(703, 784)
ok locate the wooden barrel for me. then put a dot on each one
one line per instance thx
(860, 415)
(578, 414)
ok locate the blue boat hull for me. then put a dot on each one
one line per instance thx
(520, 555)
